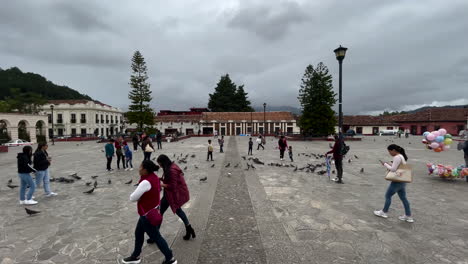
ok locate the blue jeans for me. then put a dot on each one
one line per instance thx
(43, 177)
(400, 188)
(26, 180)
(144, 226)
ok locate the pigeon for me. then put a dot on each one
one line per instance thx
(94, 177)
(237, 165)
(174, 155)
(77, 145)
(102, 150)
(252, 166)
(10, 181)
(362, 170)
(257, 161)
(356, 157)
(129, 182)
(109, 181)
(12, 186)
(203, 179)
(212, 166)
(90, 191)
(88, 183)
(295, 169)
(31, 212)
(349, 160)
(95, 184)
(243, 157)
(193, 156)
(196, 167)
(185, 168)
(76, 176)
(135, 184)
(227, 165)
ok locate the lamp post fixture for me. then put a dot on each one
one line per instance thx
(340, 53)
(52, 121)
(264, 120)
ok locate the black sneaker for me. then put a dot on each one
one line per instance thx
(172, 261)
(131, 259)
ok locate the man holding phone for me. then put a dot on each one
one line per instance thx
(338, 157)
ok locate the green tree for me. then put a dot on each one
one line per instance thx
(140, 112)
(227, 97)
(317, 99)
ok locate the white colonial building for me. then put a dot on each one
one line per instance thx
(22, 126)
(80, 118)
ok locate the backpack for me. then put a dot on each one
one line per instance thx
(344, 149)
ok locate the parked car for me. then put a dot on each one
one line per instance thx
(18, 142)
(388, 132)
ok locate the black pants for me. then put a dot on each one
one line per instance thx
(159, 144)
(147, 156)
(120, 157)
(339, 168)
(179, 212)
(221, 148)
(209, 155)
(281, 153)
(291, 156)
(109, 161)
(135, 145)
(250, 151)
(144, 226)
(260, 145)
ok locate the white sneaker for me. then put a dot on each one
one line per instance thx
(126, 169)
(51, 194)
(30, 202)
(408, 219)
(381, 214)
(22, 202)
(131, 169)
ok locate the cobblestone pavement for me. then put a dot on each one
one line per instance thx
(286, 216)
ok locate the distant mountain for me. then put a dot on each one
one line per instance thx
(34, 84)
(291, 109)
(429, 107)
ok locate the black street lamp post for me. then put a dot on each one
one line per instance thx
(264, 120)
(52, 121)
(340, 53)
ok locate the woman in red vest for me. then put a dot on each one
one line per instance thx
(147, 197)
(176, 192)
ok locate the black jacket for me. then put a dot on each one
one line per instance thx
(40, 160)
(23, 163)
(465, 149)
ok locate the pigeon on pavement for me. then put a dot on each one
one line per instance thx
(90, 191)
(31, 212)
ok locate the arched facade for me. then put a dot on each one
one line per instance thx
(16, 125)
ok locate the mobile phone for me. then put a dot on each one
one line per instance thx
(381, 162)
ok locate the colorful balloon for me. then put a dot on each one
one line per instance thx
(426, 133)
(434, 145)
(439, 139)
(446, 147)
(436, 133)
(424, 141)
(430, 137)
(448, 141)
(437, 149)
(447, 136)
(442, 131)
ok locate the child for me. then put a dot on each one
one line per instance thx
(128, 157)
(221, 144)
(250, 146)
(290, 153)
(210, 151)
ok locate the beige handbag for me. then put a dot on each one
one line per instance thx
(148, 148)
(404, 173)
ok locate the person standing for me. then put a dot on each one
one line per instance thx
(210, 151)
(128, 157)
(260, 143)
(221, 144)
(250, 147)
(118, 151)
(147, 147)
(159, 139)
(109, 153)
(135, 142)
(24, 173)
(399, 157)
(41, 165)
(282, 145)
(338, 157)
(147, 197)
(290, 152)
(176, 193)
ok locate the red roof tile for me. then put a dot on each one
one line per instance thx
(239, 116)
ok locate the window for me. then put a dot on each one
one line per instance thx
(290, 124)
(389, 128)
(277, 123)
(107, 119)
(289, 130)
(102, 131)
(73, 132)
(238, 124)
(112, 119)
(358, 130)
(97, 119)
(102, 120)
(60, 132)
(73, 118)
(83, 118)
(59, 119)
(83, 132)
(49, 117)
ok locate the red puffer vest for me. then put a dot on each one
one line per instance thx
(149, 199)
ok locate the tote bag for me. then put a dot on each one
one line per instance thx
(404, 173)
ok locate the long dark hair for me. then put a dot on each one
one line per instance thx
(27, 150)
(40, 146)
(398, 149)
(165, 164)
(149, 166)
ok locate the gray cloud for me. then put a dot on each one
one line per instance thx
(400, 52)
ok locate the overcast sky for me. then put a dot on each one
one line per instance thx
(401, 53)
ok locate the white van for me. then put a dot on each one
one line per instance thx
(388, 132)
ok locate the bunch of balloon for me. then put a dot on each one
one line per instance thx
(437, 140)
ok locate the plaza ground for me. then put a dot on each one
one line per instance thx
(267, 215)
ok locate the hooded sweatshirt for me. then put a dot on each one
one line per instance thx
(24, 163)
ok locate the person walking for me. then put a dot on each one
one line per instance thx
(260, 143)
(109, 153)
(210, 151)
(338, 157)
(147, 147)
(147, 197)
(221, 144)
(282, 145)
(41, 165)
(118, 151)
(24, 173)
(399, 157)
(465, 152)
(250, 147)
(175, 193)
(290, 152)
(159, 139)
(128, 157)
(135, 142)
